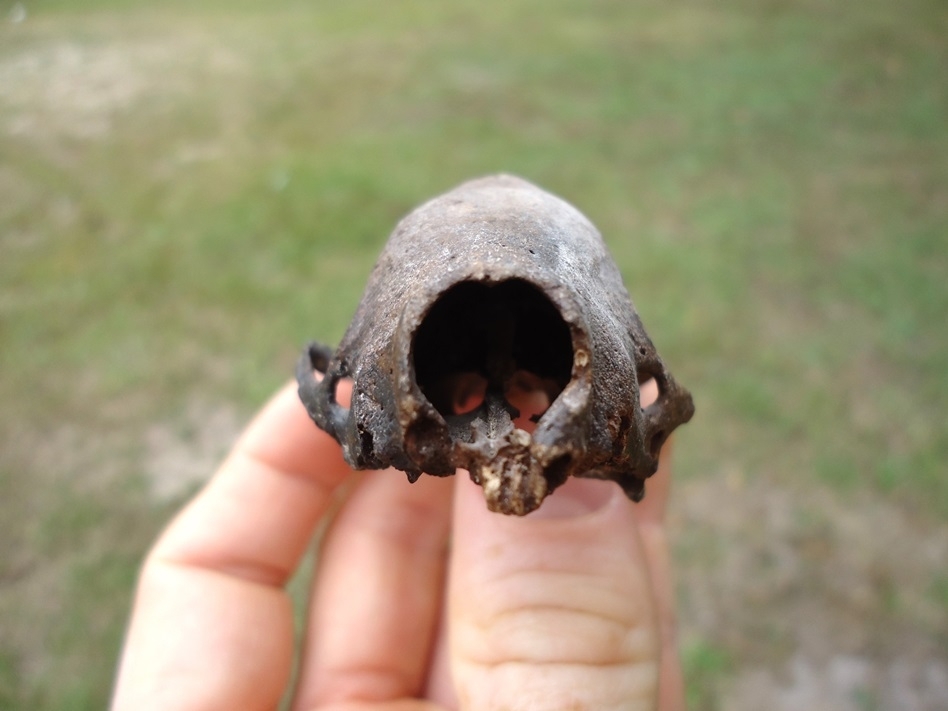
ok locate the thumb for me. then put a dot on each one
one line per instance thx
(553, 610)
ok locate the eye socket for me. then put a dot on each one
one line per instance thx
(508, 337)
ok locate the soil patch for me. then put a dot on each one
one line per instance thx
(819, 600)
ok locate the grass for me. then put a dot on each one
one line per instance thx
(704, 666)
(190, 193)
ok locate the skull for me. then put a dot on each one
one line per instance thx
(495, 335)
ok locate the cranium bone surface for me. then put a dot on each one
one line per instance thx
(494, 298)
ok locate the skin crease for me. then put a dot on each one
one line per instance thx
(570, 607)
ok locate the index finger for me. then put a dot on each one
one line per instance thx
(258, 513)
(212, 627)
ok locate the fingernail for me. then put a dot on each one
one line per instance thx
(577, 497)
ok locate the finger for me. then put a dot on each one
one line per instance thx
(257, 515)
(651, 523)
(377, 593)
(439, 686)
(212, 626)
(400, 705)
(553, 610)
(650, 516)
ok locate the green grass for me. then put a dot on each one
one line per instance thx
(704, 666)
(772, 179)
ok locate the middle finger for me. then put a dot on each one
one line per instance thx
(377, 593)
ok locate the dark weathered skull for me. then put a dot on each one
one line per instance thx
(495, 294)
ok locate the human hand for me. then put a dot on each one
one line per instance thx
(423, 599)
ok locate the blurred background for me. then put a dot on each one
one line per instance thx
(190, 191)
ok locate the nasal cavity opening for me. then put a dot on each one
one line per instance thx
(504, 338)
